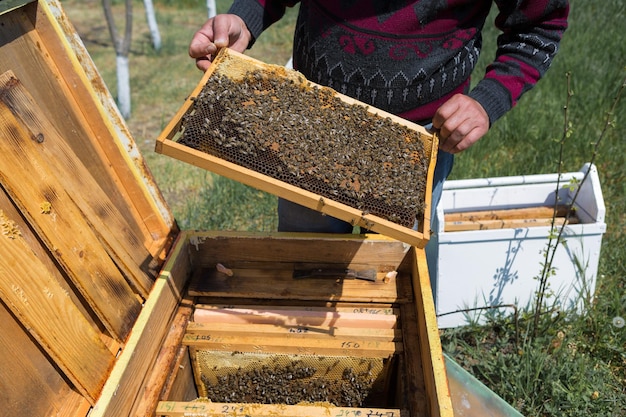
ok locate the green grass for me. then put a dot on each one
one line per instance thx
(556, 374)
(160, 83)
(585, 375)
(576, 366)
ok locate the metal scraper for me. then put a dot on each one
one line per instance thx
(366, 274)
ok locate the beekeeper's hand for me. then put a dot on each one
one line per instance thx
(461, 122)
(223, 30)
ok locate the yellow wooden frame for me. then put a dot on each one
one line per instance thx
(234, 65)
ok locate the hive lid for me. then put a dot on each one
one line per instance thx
(270, 128)
(83, 228)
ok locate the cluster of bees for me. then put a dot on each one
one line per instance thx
(292, 384)
(8, 227)
(308, 137)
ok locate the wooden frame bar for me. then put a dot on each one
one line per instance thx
(509, 218)
(206, 409)
(122, 391)
(207, 329)
(294, 317)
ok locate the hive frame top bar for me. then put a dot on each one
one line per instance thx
(236, 66)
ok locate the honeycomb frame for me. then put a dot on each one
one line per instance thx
(355, 196)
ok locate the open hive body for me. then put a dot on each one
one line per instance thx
(109, 310)
(263, 343)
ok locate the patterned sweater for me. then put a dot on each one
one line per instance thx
(408, 57)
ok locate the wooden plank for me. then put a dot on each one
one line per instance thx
(467, 225)
(208, 409)
(52, 319)
(354, 308)
(25, 53)
(255, 283)
(30, 384)
(122, 244)
(360, 334)
(164, 368)
(295, 318)
(128, 376)
(180, 385)
(330, 345)
(44, 256)
(72, 405)
(51, 212)
(205, 329)
(139, 189)
(234, 66)
(40, 45)
(414, 393)
(508, 214)
(433, 364)
(35, 47)
(284, 250)
(357, 309)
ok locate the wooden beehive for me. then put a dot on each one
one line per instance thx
(262, 310)
(101, 293)
(84, 230)
(325, 151)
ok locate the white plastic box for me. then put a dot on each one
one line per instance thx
(487, 268)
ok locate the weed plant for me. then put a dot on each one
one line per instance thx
(566, 363)
(576, 365)
(563, 363)
(558, 373)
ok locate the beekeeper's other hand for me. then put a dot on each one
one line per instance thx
(461, 121)
(223, 30)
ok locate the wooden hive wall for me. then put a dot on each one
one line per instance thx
(83, 229)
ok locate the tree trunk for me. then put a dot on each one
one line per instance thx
(212, 10)
(155, 35)
(122, 49)
(123, 85)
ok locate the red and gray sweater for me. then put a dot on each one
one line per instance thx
(408, 57)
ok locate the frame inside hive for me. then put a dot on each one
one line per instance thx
(292, 355)
(269, 127)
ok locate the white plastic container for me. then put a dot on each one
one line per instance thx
(476, 269)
